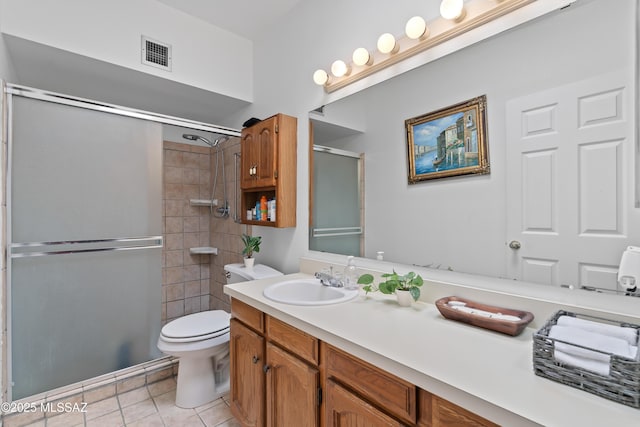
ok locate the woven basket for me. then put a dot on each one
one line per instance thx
(622, 385)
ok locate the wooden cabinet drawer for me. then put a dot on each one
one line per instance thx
(344, 409)
(437, 412)
(395, 395)
(248, 315)
(294, 340)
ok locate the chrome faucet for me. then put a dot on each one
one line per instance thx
(328, 279)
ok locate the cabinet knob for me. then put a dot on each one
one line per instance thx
(266, 368)
(255, 359)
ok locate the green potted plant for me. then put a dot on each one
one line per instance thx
(251, 245)
(405, 286)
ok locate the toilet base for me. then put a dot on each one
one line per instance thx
(196, 383)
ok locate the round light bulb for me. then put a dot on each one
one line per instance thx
(451, 9)
(320, 77)
(387, 43)
(416, 28)
(339, 68)
(361, 57)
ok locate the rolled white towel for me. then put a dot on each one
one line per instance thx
(580, 352)
(591, 340)
(628, 334)
(596, 366)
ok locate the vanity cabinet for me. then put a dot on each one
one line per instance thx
(272, 384)
(282, 376)
(268, 168)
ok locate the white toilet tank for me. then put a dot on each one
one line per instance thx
(239, 273)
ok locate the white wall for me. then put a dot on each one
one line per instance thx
(203, 56)
(584, 40)
(7, 72)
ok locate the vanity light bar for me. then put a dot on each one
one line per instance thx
(473, 14)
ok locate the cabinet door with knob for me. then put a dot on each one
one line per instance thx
(293, 390)
(248, 382)
(258, 147)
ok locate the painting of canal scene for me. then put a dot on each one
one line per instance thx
(448, 142)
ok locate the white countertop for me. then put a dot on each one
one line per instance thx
(486, 372)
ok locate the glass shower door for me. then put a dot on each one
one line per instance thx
(85, 238)
(336, 208)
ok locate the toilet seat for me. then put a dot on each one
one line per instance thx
(197, 327)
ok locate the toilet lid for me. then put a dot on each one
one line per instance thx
(197, 324)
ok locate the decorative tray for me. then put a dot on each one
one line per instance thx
(505, 320)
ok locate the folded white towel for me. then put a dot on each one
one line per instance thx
(628, 334)
(598, 367)
(591, 340)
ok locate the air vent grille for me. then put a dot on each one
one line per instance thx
(156, 54)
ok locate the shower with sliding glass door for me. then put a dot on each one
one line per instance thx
(84, 239)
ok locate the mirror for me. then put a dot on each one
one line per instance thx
(462, 223)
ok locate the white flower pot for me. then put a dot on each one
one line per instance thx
(248, 263)
(404, 298)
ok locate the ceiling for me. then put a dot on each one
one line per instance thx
(247, 18)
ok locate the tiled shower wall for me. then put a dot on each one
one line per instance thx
(185, 277)
(193, 283)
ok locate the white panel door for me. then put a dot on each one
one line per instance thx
(570, 183)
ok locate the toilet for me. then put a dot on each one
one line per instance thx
(201, 342)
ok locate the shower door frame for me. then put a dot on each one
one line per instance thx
(356, 230)
(6, 118)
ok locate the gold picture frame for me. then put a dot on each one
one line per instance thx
(448, 142)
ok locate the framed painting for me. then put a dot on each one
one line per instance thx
(448, 142)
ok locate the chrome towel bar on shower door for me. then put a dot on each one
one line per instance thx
(22, 250)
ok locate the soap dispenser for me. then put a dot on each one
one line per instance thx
(350, 276)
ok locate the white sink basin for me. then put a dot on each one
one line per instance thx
(307, 292)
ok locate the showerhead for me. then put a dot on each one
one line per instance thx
(220, 140)
(192, 137)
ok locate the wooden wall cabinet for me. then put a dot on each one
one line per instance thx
(268, 167)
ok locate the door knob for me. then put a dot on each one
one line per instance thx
(514, 244)
(255, 359)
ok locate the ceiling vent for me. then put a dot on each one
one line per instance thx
(156, 54)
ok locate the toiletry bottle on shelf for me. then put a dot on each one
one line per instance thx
(263, 208)
(350, 276)
(257, 210)
(273, 210)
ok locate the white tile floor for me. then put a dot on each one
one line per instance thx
(151, 405)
